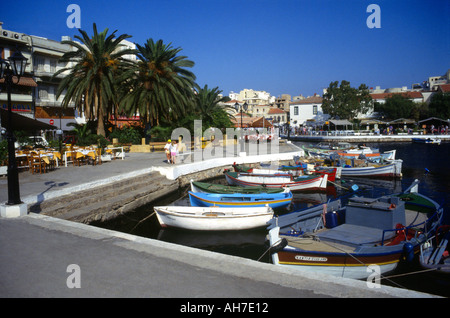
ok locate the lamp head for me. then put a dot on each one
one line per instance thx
(18, 63)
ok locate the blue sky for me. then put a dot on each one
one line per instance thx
(279, 46)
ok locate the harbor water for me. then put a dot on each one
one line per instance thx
(425, 162)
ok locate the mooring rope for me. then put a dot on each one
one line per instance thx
(359, 261)
(411, 273)
(268, 249)
(147, 217)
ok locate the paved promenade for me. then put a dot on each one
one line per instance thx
(49, 257)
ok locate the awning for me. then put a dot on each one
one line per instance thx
(340, 122)
(434, 120)
(403, 121)
(372, 122)
(24, 81)
(20, 122)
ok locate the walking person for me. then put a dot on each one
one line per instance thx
(167, 150)
(173, 151)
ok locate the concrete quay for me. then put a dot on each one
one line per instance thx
(45, 257)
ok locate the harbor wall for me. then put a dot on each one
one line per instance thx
(106, 199)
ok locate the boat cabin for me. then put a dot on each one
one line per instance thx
(365, 221)
(381, 213)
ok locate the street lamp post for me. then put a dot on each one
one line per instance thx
(238, 106)
(11, 70)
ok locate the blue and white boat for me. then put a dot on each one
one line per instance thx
(391, 170)
(273, 200)
(350, 241)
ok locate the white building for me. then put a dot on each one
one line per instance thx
(253, 98)
(308, 110)
(22, 93)
(37, 96)
(48, 109)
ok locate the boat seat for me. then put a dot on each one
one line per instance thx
(354, 234)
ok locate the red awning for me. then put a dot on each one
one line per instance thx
(24, 81)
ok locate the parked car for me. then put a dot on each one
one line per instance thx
(70, 139)
(38, 141)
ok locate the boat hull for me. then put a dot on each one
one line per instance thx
(346, 241)
(426, 140)
(309, 183)
(202, 187)
(390, 170)
(213, 218)
(341, 264)
(275, 200)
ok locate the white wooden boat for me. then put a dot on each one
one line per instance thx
(393, 169)
(307, 182)
(213, 218)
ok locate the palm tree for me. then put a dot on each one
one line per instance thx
(96, 64)
(159, 85)
(208, 102)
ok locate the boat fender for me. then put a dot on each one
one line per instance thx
(278, 246)
(408, 252)
(392, 206)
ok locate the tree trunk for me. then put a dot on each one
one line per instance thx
(100, 123)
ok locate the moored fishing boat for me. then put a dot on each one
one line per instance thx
(204, 187)
(390, 170)
(213, 218)
(306, 182)
(372, 235)
(295, 171)
(387, 155)
(274, 200)
(427, 140)
(435, 252)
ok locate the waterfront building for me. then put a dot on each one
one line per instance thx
(415, 96)
(283, 102)
(277, 116)
(46, 62)
(307, 111)
(254, 98)
(35, 96)
(22, 93)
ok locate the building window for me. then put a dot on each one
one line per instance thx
(43, 93)
(39, 63)
(295, 110)
(314, 109)
(53, 66)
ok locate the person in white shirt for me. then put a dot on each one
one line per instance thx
(167, 150)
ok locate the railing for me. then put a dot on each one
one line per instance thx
(347, 133)
(438, 214)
